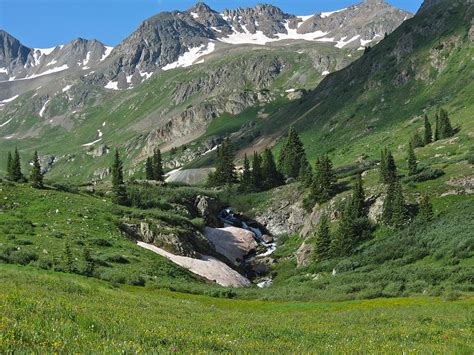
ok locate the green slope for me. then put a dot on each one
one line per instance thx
(45, 312)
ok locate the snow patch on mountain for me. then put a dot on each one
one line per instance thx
(41, 113)
(9, 100)
(191, 56)
(66, 88)
(107, 52)
(112, 85)
(5, 123)
(327, 14)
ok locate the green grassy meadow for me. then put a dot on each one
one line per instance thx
(47, 312)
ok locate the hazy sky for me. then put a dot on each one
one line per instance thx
(47, 23)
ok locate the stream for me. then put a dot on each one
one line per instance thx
(232, 219)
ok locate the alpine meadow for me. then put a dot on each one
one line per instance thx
(242, 181)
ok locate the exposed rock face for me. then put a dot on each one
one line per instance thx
(177, 242)
(234, 243)
(12, 54)
(303, 255)
(285, 214)
(208, 208)
(99, 151)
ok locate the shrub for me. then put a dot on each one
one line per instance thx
(101, 242)
(23, 257)
(119, 259)
(425, 175)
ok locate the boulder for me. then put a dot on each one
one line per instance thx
(231, 242)
(303, 255)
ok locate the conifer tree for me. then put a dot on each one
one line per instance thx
(412, 162)
(344, 240)
(36, 176)
(394, 210)
(437, 135)
(426, 213)
(157, 164)
(446, 129)
(149, 169)
(324, 180)
(224, 173)
(323, 239)
(392, 173)
(271, 176)
(291, 155)
(246, 178)
(89, 266)
(9, 166)
(16, 167)
(358, 199)
(417, 141)
(257, 175)
(383, 165)
(118, 185)
(428, 136)
(68, 260)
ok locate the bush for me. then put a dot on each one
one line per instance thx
(425, 175)
(119, 259)
(23, 257)
(101, 242)
(136, 280)
(199, 223)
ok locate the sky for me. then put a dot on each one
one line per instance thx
(47, 23)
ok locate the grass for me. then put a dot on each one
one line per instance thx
(47, 312)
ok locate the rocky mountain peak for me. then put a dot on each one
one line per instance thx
(200, 8)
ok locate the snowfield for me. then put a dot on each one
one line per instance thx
(191, 56)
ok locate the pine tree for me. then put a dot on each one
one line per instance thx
(157, 164)
(68, 259)
(9, 166)
(412, 162)
(394, 210)
(224, 173)
(16, 167)
(118, 185)
(428, 131)
(324, 180)
(89, 264)
(392, 173)
(437, 135)
(257, 175)
(291, 155)
(149, 169)
(246, 178)
(323, 239)
(383, 166)
(345, 238)
(36, 176)
(417, 141)
(446, 129)
(426, 213)
(358, 199)
(271, 176)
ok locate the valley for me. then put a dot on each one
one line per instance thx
(242, 181)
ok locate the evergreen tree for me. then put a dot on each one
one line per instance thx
(323, 239)
(291, 155)
(437, 135)
(358, 199)
(445, 129)
(392, 173)
(417, 141)
(224, 173)
(412, 162)
(246, 178)
(157, 164)
(426, 213)
(149, 169)
(428, 131)
(324, 180)
(344, 240)
(36, 174)
(68, 260)
(16, 167)
(257, 174)
(89, 263)
(394, 210)
(383, 166)
(118, 185)
(271, 176)
(9, 166)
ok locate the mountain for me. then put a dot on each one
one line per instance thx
(18, 62)
(205, 66)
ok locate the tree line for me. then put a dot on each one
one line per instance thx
(15, 174)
